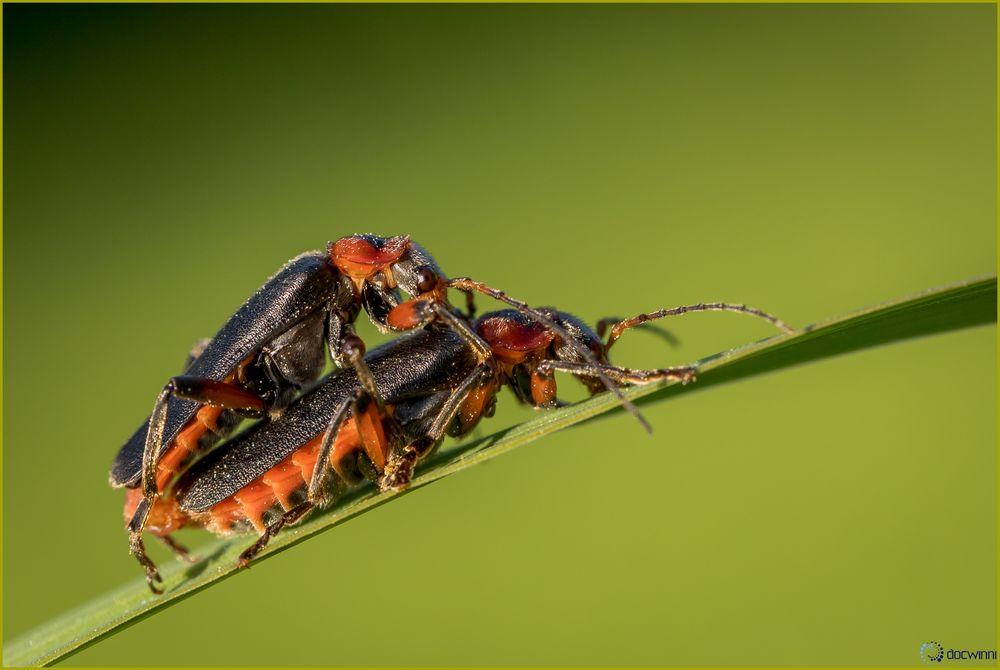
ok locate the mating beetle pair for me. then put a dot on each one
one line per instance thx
(273, 345)
(372, 419)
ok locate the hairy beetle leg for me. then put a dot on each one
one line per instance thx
(399, 471)
(378, 432)
(288, 518)
(219, 394)
(402, 458)
(317, 484)
(138, 549)
(684, 374)
(470, 304)
(180, 551)
(353, 348)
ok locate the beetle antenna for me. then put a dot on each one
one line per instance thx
(467, 283)
(659, 331)
(622, 326)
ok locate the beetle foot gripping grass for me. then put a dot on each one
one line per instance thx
(437, 381)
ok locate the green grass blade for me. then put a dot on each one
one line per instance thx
(961, 305)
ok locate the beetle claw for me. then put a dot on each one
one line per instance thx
(399, 471)
(153, 576)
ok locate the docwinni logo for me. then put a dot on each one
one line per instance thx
(934, 652)
(931, 652)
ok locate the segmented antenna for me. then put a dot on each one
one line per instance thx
(622, 326)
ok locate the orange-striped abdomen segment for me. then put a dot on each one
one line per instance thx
(165, 515)
(282, 487)
(185, 445)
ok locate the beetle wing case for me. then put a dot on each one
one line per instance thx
(301, 286)
(415, 373)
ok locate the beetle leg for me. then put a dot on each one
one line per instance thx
(543, 388)
(477, 379)
(219, 394)
(379, 435)
(470, 304)
(482, 375)
(682, 374)
(138, 549)
(482, 349)
(354, 351)
(392, 456)
(317, 484)
(288, 518)
(411, 314)
(348, 351)
(180, 551)
(371, 423)
(154, 438)
(399, 472)
(399, 468)
(402, 460)
(378, 431)
(398, 464)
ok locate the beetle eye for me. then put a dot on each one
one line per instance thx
(426, 279)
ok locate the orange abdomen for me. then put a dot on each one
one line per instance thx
(281, 488)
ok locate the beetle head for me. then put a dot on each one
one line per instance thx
(362, 256)
(417, 273)
(519, 343)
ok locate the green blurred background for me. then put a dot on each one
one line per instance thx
(161, 161)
